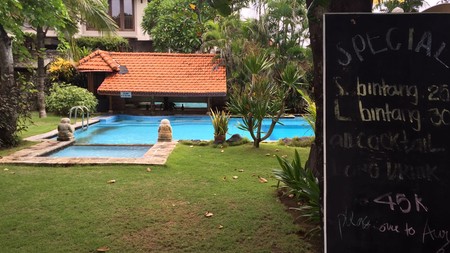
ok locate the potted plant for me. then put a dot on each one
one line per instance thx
(220, 120)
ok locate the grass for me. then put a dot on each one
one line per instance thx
(74, 209)
(38, 126)
(41, 125)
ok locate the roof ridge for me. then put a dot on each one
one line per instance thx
(106, 57)
(167, 54)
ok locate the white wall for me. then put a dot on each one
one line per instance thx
(138, 33)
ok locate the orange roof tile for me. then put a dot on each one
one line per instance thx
(158, 74)
(98, 61)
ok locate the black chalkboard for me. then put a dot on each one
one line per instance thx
(387, 133)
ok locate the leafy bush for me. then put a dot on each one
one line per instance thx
(117, 44)
(303, 184)
(64, 96)
(14, 110)
(61, 70)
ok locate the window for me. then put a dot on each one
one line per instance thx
(122, 12)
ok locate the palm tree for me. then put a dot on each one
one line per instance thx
(94, 12)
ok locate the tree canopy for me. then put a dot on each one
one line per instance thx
(176, 25)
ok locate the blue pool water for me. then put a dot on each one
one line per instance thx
(126, 129)
(102, 151)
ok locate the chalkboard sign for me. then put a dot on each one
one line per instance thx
(387, 133)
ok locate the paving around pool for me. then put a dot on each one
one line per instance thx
(157, 154)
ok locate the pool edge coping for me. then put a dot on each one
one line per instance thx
(33, 155)
(156, 155)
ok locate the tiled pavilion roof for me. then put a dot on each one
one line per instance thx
(157, 74)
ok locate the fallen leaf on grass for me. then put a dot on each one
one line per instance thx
(149, 169)
(112, 181)
(208, 214)
(103, 249)
(262, 180)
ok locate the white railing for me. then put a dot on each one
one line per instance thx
(84, 110)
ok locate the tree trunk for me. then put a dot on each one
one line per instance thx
(8, 103)
(315, 16)
(40, 45)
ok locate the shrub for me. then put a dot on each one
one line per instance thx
(303, 184)
(117, 44)
(64, 96)
(61, 70)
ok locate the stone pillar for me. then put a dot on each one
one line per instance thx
(65, 130)
(164, 131)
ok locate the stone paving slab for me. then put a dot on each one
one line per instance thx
(156, 155)
(34, 155)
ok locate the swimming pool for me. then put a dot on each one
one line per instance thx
(84, 151)
(127, 129)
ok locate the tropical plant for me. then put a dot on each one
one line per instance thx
(226, 35)
(64, 96)
(262, 97)
(64, 19)
(219, 121)
(301, 182)
(13, 14)
(311, 110)
(61, 70)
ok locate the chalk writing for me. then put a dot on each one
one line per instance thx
(387, 114)
(387, 133)
(371, 43)
(387, 90)
(347, 219)
(350, 220)
(439, 93)
(439, 117)
(401, 201)
(434, 234)
(390, 141)
(391, 171)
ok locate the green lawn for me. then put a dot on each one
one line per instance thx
(74, 209)
(40, 126)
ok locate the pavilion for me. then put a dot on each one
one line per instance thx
(155, 83)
